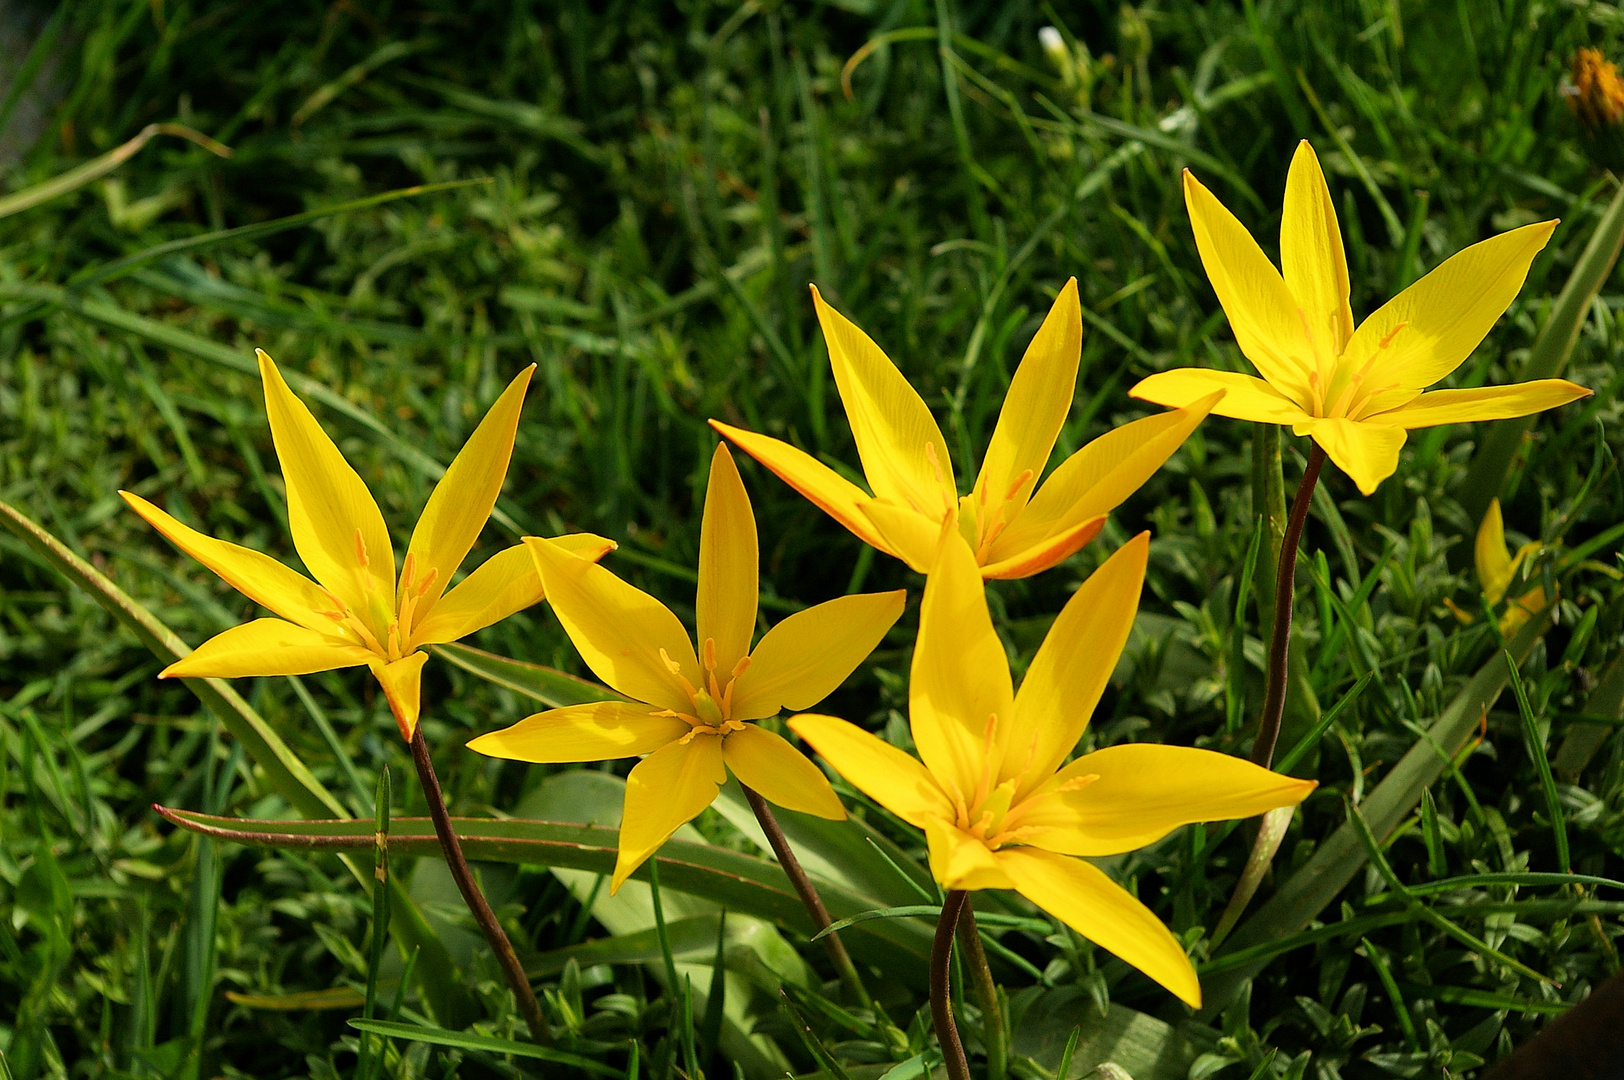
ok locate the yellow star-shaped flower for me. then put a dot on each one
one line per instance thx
(1014, 527)
(691, 712)
(999, 806)
(356, 611)
(1354, 391)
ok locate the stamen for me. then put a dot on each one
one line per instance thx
(428, 581)
(394, 640)
(340, 605)
(1020, 482)
(1077, 783)
(1391, 334)
(707, 655)
(360, 549)
(740, 668)
(408, 570)
(935, 462)
(670, 665)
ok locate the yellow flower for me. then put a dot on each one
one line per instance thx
(355, 611)
(690, 712)
(999, 806)
(1497, 567)
(1015, 528)
(1354, 391)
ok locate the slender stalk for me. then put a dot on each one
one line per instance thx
(483, 915)
(941, 1000)
(992, 1013)
(809, 897)
(1274, 704)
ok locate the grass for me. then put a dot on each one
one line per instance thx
(658, 184)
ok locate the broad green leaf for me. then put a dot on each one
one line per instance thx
(1317, 883)
(739, 882)
(284, 772)
(551, 687)
(1145, 1047)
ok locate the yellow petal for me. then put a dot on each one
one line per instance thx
(1426, 331)
(960, 861)
(1082, 897)
(402, 683)
(462, 500)
(1494, 566)
(960, 677)
(625, 635)
(1311, 257)
(336, 525)
(1245, 396)
(1045, 553)
(666, 790)
(906, 533)
(779, 773)
(726, 603)
(801, 660)
(257, 576)
(596, 731)
(1096, 479)
(1072, 666)
(504, 583)
(1034, 408)
(1144, 791)
(904, 455)
(266, 647)
(822, 486)
(1367, 452)
(1262, 312)
(1482, 403)
(889, 776)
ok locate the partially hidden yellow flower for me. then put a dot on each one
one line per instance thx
(1354, 391)
(1497, 568)
(999, 806)
(1014, 527)
(356, 611)
(690, 712)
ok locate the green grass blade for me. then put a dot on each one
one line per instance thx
(284, 772)
(1535, 742)
(462, 1040)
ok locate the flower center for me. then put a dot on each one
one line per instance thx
(713, 703)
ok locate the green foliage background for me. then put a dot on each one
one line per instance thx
(664, 181)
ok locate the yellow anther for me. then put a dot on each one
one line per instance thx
(670, 665)
(408, 570)
(1077, 783)
(740, 668)
(360, 549)
(707, 654)
(1391, 334)
(428, 581)
(935, 462)
(1020, 482)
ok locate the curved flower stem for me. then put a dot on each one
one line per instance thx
(992, 1013)
(809, 897)
(483, 915)
(1274, 703)
(941, 1001)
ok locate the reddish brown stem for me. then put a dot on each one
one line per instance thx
(941, 991)
(809, 896)
(483, 915)
(1274, 702)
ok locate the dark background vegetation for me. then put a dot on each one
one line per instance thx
(665, 181)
